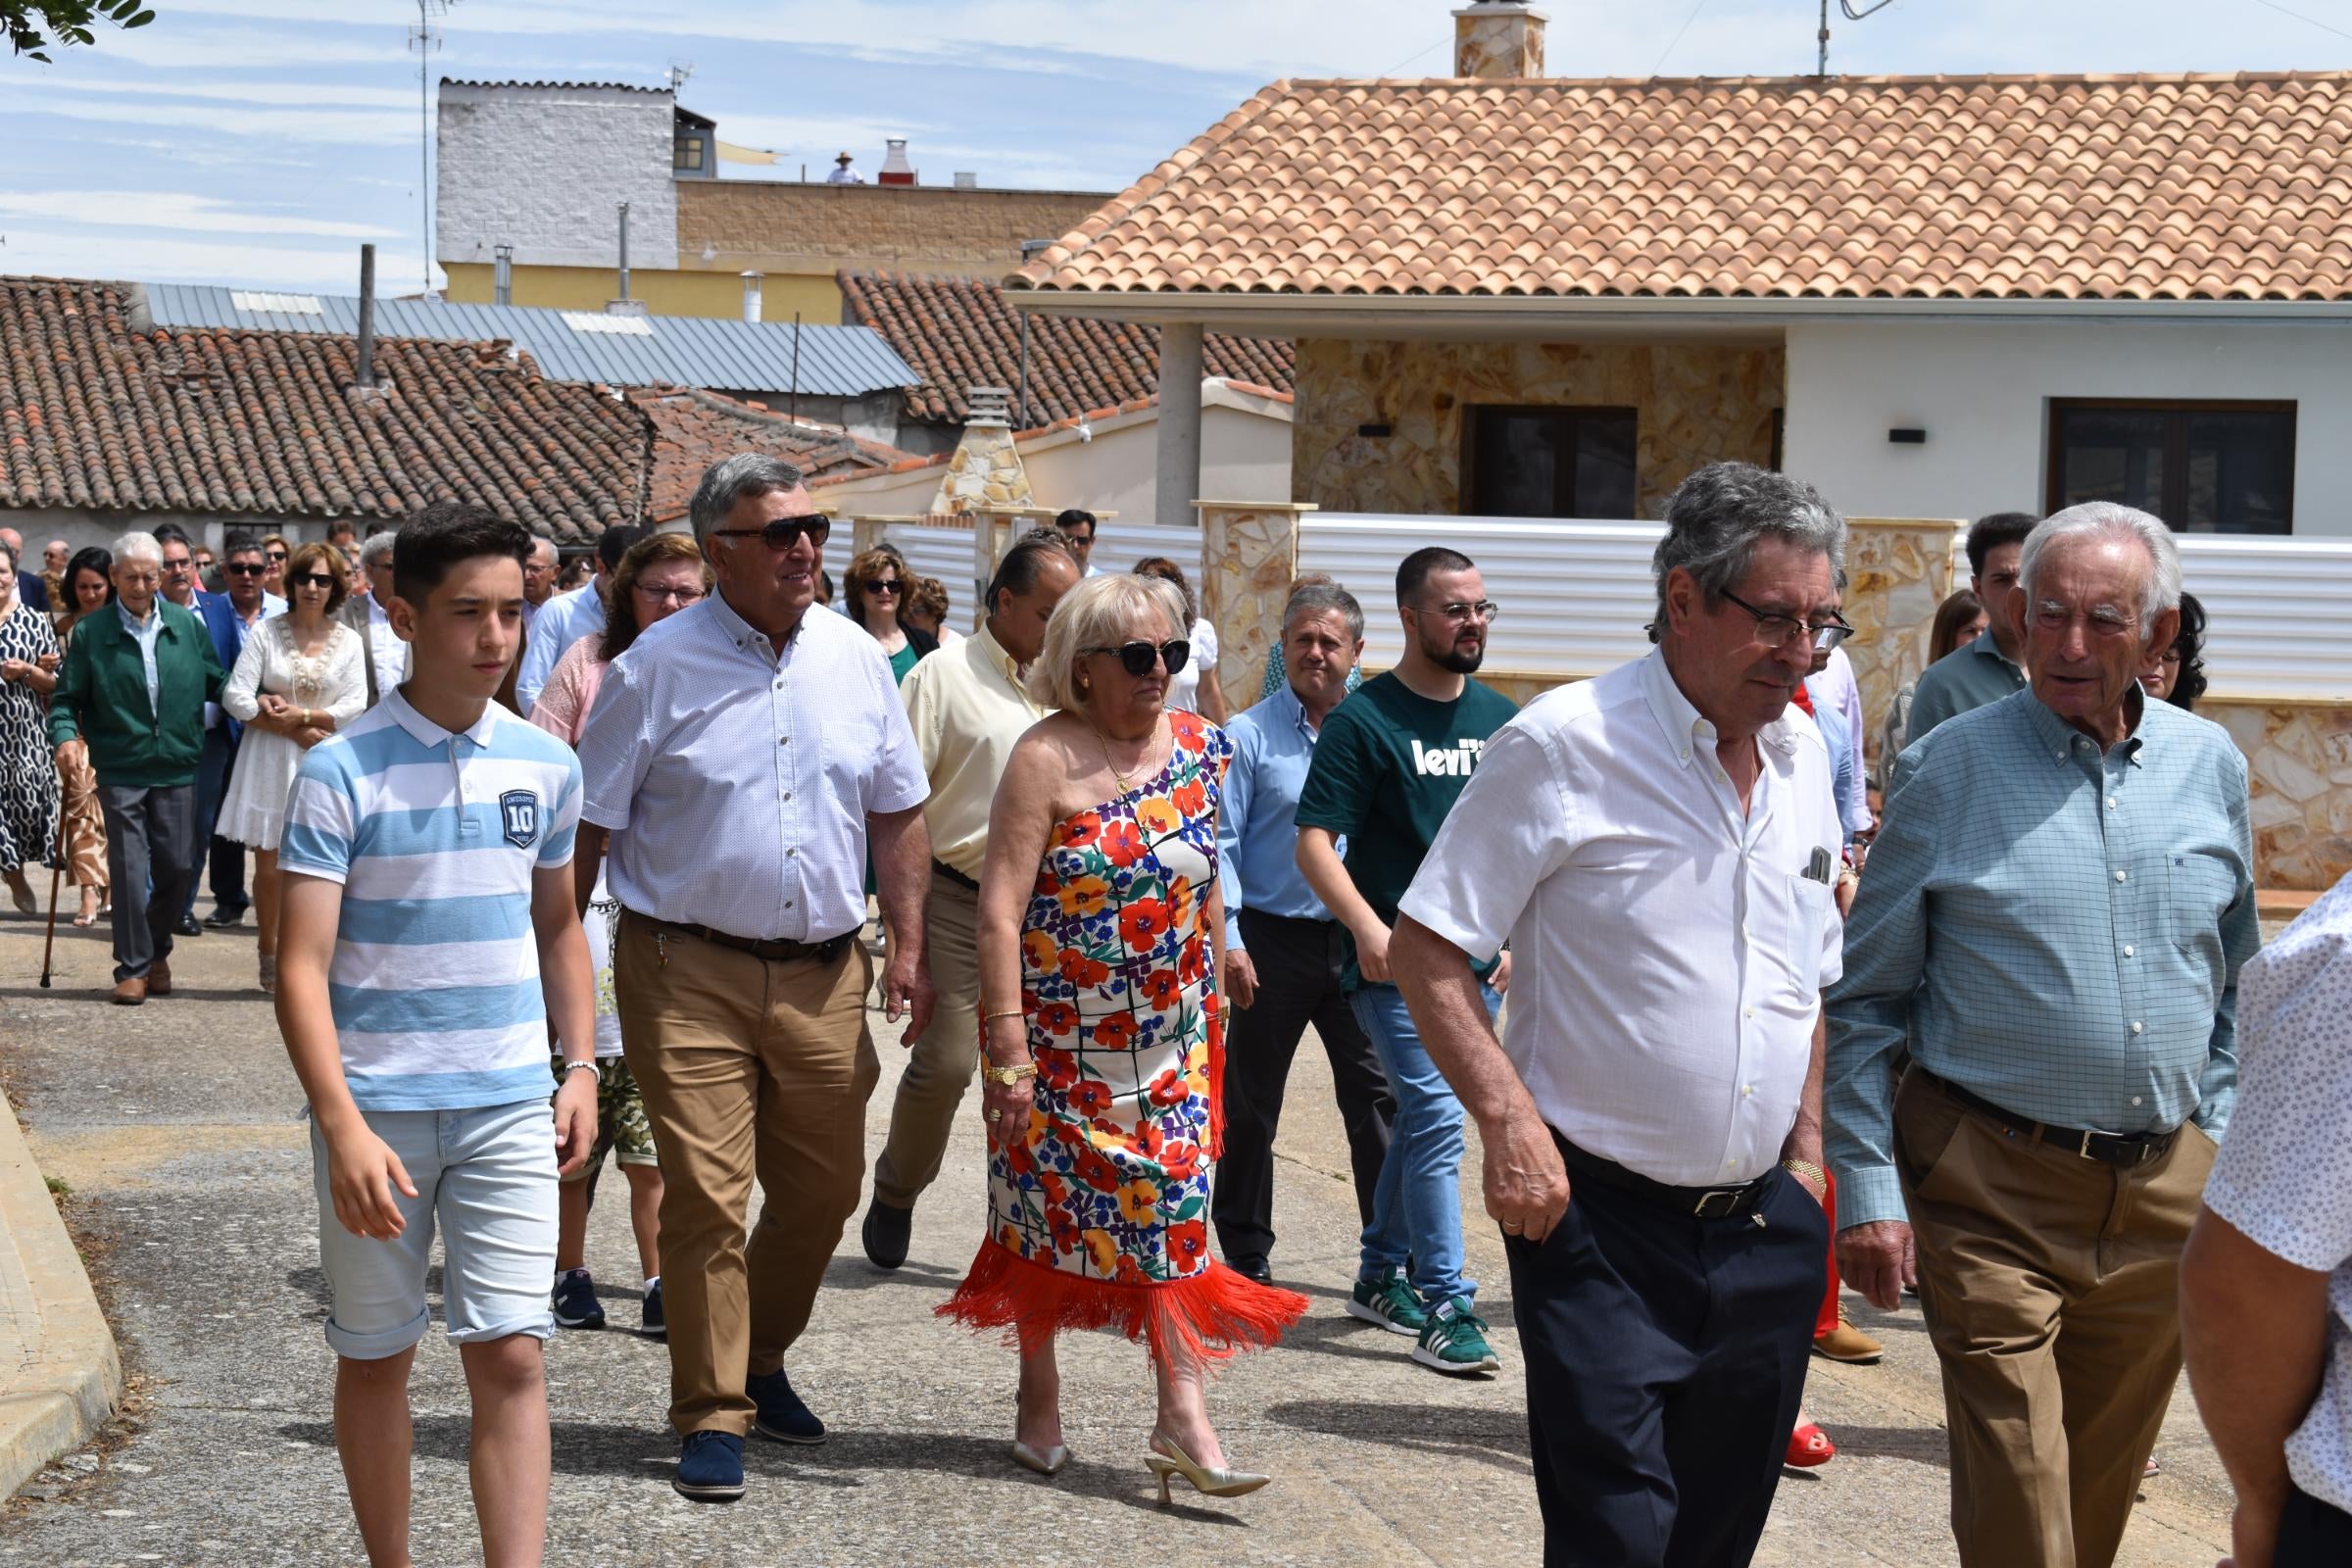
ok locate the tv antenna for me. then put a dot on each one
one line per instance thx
(678, 72)
(1852, 15)
(425, 38)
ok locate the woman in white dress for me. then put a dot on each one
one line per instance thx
(301, 677)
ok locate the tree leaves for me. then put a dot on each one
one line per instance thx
(71, 22)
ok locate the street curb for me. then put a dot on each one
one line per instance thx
(70, 1374)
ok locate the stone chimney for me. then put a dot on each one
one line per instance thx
(986, 468)
(1499, 40)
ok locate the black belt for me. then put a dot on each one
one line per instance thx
(943, 869)
(779, 950)
(1706, 1203)
(2113, 1149)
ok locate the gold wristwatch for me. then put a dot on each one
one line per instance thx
(1008, 1076)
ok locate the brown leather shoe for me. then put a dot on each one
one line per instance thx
(130, 993)
(159, 979)
(1847, 1343)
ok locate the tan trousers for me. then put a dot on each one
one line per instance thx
(748, 1069)
(931, 1091)
(2050, 1285)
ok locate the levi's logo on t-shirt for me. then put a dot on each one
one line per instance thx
(1452, 762)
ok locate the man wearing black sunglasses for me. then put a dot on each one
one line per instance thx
(230, 617)
(741, 756)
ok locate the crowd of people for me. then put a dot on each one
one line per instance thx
(1736, 1016)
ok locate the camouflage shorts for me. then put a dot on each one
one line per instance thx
(620, 1124)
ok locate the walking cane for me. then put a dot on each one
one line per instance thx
(57, 870)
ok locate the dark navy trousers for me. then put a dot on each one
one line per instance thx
(1665, 1364)
(2312, 1533)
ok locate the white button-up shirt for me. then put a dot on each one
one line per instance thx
(385, 650)
(736, 784)
(1669, 952)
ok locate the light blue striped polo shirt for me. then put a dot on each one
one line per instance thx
(434, 837)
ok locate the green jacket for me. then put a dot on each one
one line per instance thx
(102, 697)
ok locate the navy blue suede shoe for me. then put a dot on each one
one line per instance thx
(782, 1417)
(709, 1467)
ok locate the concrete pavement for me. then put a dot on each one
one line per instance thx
(177, 1126)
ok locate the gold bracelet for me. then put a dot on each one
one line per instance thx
(1805, 1167)
(1010, 1012)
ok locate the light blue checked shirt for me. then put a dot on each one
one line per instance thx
(2053, 929)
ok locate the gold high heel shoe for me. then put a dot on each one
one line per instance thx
(1208, 1482)
(1049, 1462)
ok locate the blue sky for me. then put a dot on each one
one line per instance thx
(258, 141)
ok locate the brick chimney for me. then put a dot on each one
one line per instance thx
(1499, 40)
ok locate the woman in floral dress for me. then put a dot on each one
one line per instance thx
(1099, 914)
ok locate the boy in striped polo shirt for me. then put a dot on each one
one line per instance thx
(429, 934)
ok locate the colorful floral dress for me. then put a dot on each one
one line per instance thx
(1099, 1208)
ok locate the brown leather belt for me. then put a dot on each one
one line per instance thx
(2113, 1149)
(778, 949)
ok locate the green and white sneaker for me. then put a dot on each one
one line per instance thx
(1390, 1302)
(1455, 1341)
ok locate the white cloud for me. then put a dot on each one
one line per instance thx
(275, 93)
(283, 125)
(212, 48)
(173, 210)
(170, 261)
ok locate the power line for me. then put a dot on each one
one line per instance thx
(2300, 17)
(1678, 36)
(1410, 59)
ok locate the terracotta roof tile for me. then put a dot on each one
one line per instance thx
(2098, 187)
(96, 414)
(958, 333)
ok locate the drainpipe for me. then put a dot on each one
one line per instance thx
(502, 275)
(751, 296)
(366, 366)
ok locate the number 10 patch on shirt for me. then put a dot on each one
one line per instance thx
(518, 811)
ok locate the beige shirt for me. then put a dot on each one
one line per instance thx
(968, 708)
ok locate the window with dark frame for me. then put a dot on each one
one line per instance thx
(1548, 462)
(2203, 467)
(687, 152)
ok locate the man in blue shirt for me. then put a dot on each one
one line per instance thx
(2053, 923)
(1283, 949)
(568, 618)
(227, 617)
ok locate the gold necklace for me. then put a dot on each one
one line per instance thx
(1151, 740)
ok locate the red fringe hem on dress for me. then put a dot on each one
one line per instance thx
(1206, 1318)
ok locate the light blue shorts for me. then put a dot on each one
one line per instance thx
(488, 1178)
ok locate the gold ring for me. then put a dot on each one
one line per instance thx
(995, 1115)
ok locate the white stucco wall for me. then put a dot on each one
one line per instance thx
(543, 169)
(1983, 395)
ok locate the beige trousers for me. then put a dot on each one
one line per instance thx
(940, 1069)
(2050, 1285)
(749, 1068)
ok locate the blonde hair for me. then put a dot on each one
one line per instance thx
(1095, 614)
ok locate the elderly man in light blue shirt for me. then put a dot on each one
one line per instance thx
(2053, 923)
(1283, 949)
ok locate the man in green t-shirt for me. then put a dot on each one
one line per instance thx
(1389, 765)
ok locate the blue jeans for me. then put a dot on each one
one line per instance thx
(1417, 1208)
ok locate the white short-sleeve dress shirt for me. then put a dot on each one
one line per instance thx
(736, 783)
(2283, 1176)
(1669, 954)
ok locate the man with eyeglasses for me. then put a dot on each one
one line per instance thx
(2052, 927)
(134, 686)
(566, 619)
(740, 756)
(226, 617)
(1078, 526)
(1390, 763)
(539, 580)
(968, 708)
(1658, 847)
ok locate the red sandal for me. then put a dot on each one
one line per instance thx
(1808, 1446)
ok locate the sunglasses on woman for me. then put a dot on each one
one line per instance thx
(313, 579)
(883, 585)
(783, 533)
(1137, 657)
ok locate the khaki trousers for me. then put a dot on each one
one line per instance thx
(748, 1069)
(2051, 1286)
(940, 1069)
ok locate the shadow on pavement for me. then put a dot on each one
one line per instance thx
(1894, 1443)
(1499, 1439)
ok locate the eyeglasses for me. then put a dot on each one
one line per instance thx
(1136, 658)
(665, 595)
(1778, 629)
(179, 566)
(1486, 610)
(313, 579)
(783, 533)
(245, 568)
